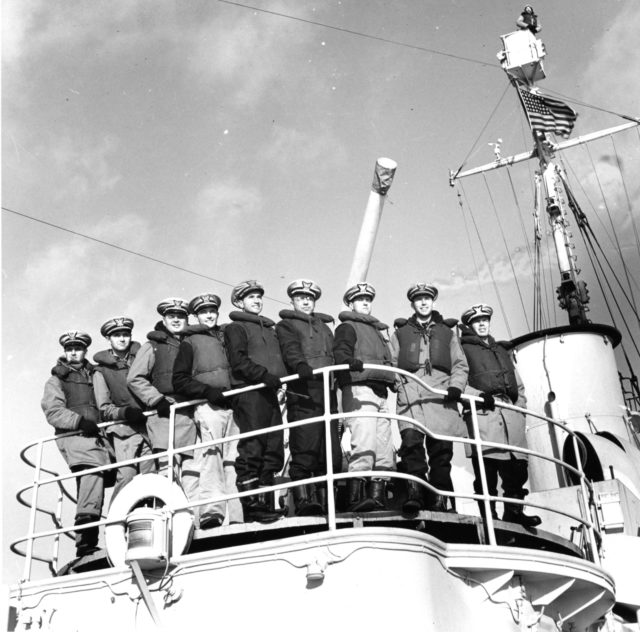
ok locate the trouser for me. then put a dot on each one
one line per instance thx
(216, 463)
(513, 474)
(371, 441)
(184, 472)
(436, 460)
(307, 443)
(126, 448)
(259, 457)
(90, 494)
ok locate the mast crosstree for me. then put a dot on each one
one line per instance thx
(522, 60)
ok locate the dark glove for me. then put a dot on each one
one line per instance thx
(356, 365)
(272, 381)
(304, 371)
(134, 415)
(488, 401)
(453, 394)
(215, 396)
(163, 407)
(88, 427)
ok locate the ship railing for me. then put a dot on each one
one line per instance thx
(587, 523)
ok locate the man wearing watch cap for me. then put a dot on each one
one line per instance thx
(201, 371)
(426, 345)
(116, 402)
(69, 405)
(150, 379)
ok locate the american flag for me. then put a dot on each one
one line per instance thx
(547, 114)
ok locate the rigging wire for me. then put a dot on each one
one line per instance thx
(626, 192)
(522, 226)
(376, 38)
(484, 127)
(590, 238)
(466, 228)
(486, 257)
(626, 117)
(613, 228)
(127, 250)
(506, 247)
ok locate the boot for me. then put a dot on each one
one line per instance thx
(87, 539)
(256, 508)
(306, 502)
(515, 513)
(358, 501)
(378, 493)
(414, 503)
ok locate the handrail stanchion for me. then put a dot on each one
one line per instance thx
(585, 499)
(171, 442)
(56, 542)
(331, 501)
(488, 516)
(32, 514)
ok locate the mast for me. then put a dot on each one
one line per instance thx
(522, 60)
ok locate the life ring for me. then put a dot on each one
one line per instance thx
(141, 487)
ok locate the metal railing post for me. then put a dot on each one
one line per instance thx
(585, 499)
(488, 516)
(331, 501)
(170, 443)
(32, 514)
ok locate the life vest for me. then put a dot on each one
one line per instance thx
(316, 339)
(165, 346)
(491, 368)
(77, 385)
(114, 370)
(262, 343)
(410, 336)
(210, 364)
(371, 347)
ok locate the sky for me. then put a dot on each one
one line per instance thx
(232, 142)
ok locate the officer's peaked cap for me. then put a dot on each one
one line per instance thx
(304, 286)
(75, 337)
(116, 324)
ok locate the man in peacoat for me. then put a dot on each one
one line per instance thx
(306, 343)
(254, 358)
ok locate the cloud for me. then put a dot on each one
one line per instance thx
(248, 53)
(72, 277)
(612, 74)
(307, 148)
(84, 166)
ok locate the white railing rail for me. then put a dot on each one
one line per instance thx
(588, 522)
